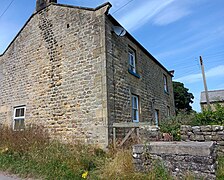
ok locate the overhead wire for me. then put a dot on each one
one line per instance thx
(211, 54)
(122, 7)
(6, 9)
(183, 61)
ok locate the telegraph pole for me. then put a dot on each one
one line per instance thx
(205, 84)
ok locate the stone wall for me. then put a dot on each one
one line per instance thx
(148, 86)
(204, 133)
(56, 68)
(180, 158)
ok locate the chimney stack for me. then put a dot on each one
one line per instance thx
(41, 4)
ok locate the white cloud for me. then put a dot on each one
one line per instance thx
(213, 72)
(158, 12)
(194, 41)
(171, 14)
(139, 15)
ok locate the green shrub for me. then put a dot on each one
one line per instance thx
(208, 117)
(172, 124)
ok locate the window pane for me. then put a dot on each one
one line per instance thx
(21, 124)
(16, 125)
(22, 112)
(134, 102)
(165, 83)
(131, 58)
(157, 117)
(131, 68)
(168, 111)
(134, 114)
(17, 113)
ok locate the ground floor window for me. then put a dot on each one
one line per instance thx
(19, 118)
(135, 106)
(156, 117)
(168, 111)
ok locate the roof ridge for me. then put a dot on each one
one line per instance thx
(213, 90)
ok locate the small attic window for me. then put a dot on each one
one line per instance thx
(68, 25)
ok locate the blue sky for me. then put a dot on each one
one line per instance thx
(176, 32)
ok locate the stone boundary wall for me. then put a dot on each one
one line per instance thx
(204, 133)
(180, 158)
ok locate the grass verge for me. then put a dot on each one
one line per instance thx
(30, 153)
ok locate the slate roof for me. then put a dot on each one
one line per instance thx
(214, 96)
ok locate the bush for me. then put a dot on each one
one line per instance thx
(208, 117)
(172, 124)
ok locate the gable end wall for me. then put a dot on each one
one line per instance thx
(56, 67)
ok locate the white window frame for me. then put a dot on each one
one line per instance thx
(165, 85)
(135, 108)
(19, 117)
(131, 55)
(156, 114)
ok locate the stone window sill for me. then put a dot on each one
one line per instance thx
(134, 74)
(166, 92)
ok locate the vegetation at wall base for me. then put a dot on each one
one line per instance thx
(172, 124)
(30, 153)
(220, 170)
(211, 117)
(207, 117)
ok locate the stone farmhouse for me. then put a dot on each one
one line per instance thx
(69, 70)
(215, 97)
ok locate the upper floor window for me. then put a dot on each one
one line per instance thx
(132, 60)
(135, 106)
(165, 85)
(19, 118)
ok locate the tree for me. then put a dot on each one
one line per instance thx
(182, 97)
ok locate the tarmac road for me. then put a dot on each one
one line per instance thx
(4, 176)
